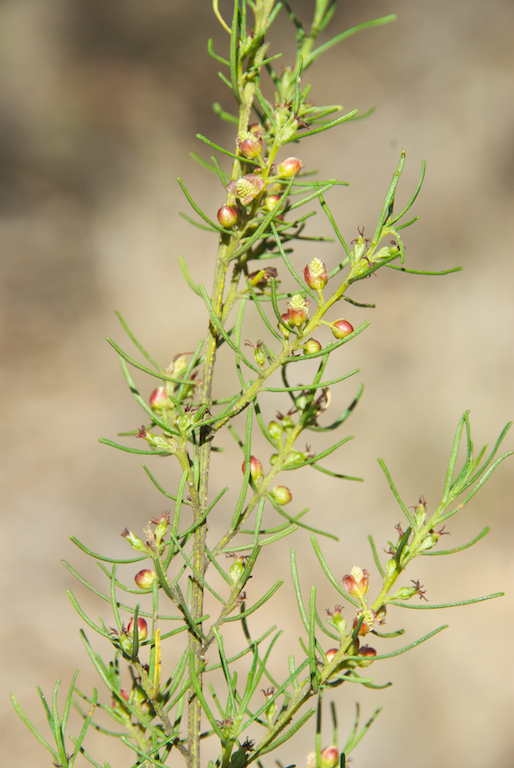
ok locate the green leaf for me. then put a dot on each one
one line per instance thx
(226, 116)
(326, 126)
(338, 38)
(198, 210)
(395, 492)
(427, 607)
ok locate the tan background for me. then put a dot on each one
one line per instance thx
(99, 104)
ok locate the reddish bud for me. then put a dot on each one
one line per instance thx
(289, 167)
(297, 310)
(331, 653)
(316, 275)
(368, 655)
(329, 758)
(159, 398)
(229, 215)
(124, 694)
(341, 329)
(281, 494)
(145, 578)
(368, 622)
(271, 201)
(142, 628)
(311, 346)
(255, 468)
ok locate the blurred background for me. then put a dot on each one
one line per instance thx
(99, 105)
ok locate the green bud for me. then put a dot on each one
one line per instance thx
(275, 431)
(135, 542)
(236, 569)
(404, 593)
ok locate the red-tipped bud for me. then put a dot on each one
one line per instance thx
(250, 143)
(255, 468)
(285, 320)
(368, 655)
(142, 628)
(271, 201)
(281, 494)
(145, 578)
(159, 398)
(329, 758)
(297, 310)
(229, 215)
(341, 329)
(331, 654)
(134, 541)
(289, 167)
(311, 346)
(125, 695)
(356, 582)
(316, 275)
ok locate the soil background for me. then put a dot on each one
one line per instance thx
(99, 106)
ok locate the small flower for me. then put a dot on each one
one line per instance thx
(247, 188)
(142, 628)
(341, 329)
(255, 468)
(145, 578)
(229, 215)
(311, 346)
(281, 494)
(369, 619)
(356, 582)
(291, 166)
(297, 310)
(316, 275)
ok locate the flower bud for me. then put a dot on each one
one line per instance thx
(331, 654)
(249, 143)
(311, 346)
(341, 329)
(285, 320)
(281, 494)
(159, 398)
(271, 201)
(329, 758)
(134, 541)
(297, 310)
(237, 568)
(316, 275)
(356, 582)
(145, 578)
(142, 628)
(337, 621)
(368, 655)
(289, 167)
(275, 431)
(255, 468)
(229, 215)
